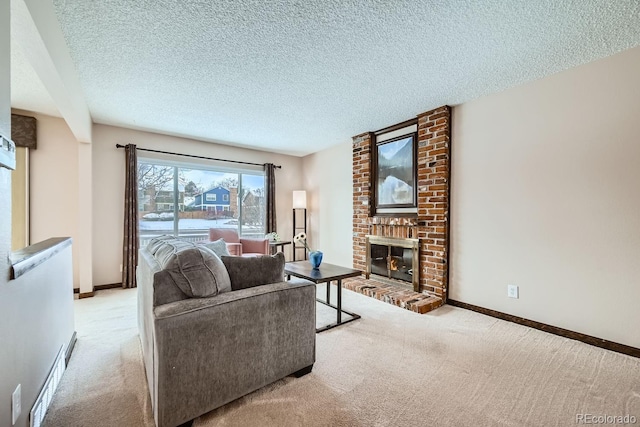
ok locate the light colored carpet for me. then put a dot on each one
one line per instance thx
(451, 367)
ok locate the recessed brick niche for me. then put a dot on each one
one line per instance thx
(430, 225)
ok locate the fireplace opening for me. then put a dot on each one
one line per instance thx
(395, 259)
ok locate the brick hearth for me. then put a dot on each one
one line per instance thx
(431, 223)
(395, 295)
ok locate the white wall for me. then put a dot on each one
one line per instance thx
(54, 184)
(328, 180)
(41, 297)
(108, 187)
(546, 196)
(7, 357)
(36, 320)
(84, 191)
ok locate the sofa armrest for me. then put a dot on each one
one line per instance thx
(256, 246)
(210, 351)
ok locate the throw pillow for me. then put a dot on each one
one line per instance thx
(157, 242)
(219, 247)
(246, 272)
(196, 271)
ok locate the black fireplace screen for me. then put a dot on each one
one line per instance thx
(392, 261)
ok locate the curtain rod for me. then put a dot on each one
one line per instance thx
(199, 157)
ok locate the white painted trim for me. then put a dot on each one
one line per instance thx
(396, 133)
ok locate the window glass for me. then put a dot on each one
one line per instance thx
(253, 205)
(187, 201)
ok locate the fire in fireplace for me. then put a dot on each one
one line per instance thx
(394, 259)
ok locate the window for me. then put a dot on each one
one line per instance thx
(170, 200)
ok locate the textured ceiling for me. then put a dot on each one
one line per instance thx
(296, 76)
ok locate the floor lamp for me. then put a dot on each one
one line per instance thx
(299, 219)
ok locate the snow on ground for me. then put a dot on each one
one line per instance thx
(193, 225)
(188, 224)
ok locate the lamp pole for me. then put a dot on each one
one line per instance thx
(299, 204)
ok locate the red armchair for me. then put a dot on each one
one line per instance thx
(239, 246)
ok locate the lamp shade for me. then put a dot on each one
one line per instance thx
(300, 199)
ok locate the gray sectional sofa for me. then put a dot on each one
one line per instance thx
(214, 329)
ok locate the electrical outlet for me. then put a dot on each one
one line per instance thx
(16, 404)
(512, 291)
(120, 268)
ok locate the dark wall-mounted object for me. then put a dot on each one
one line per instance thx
(394, 170)
(24, 131)
(7, 153)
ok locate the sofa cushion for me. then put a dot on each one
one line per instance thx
(248, 272)
(219, 247)
(196, 271)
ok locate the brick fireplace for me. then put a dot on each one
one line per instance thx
(430, 223)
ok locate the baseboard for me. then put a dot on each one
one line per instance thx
(587, 339)
(108, 286)
(96, 288)
(70, 347)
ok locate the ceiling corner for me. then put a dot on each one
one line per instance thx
(36, 30)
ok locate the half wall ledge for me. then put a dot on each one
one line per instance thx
(24, 260)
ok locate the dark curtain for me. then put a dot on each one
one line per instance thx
(270, 172)
(130, 241)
